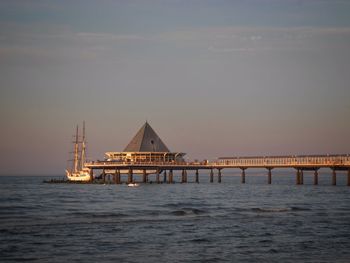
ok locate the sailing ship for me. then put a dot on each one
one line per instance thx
(78, 171)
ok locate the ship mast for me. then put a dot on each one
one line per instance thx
(76, 150)
(83, 149)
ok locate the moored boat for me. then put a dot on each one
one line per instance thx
(78, 172)
(133, 184)
(79, 176)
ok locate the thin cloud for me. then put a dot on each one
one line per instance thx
(248, 39)
(228, 50)
(108, 36)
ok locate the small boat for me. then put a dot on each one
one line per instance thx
(79, 176)
(133, 185)
(79, 173)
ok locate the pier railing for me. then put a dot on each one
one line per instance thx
(241, 162)
(300, 163)
(108, 164)
(286, 161)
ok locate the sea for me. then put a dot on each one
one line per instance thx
(205, 222)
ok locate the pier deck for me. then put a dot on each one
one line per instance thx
(299, 163)
(337, 162)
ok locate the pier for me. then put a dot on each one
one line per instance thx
(301, 164)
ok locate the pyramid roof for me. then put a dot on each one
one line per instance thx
(146, 140)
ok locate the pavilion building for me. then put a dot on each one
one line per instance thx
(146, 146)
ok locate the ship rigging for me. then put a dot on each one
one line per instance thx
(79, 172)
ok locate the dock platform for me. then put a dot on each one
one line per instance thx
(299, 163)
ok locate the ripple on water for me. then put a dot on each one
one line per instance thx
(173, 223)
(188, 211)
(278, 209)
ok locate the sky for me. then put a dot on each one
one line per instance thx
(212, 77)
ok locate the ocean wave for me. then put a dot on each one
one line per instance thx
(98, 215)
(277, 209)
(200, 240)
(181, 204)
(187, 211)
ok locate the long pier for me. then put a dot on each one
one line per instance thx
(299, 163)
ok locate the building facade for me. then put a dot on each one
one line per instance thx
(146, 147)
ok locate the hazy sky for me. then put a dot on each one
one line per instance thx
(213, 78)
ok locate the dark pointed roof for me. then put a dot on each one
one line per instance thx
(146, 140)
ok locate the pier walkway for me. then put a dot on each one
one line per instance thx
(303, 163)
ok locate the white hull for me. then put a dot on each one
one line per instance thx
(133, 171)
(80, 176)
(133, 185)
(79, 173)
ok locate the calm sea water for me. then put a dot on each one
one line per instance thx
(204, 222)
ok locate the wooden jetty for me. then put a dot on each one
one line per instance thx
(299, 163)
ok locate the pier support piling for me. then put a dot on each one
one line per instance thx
(243, 176)
(211, 175)
(316, 177)
(171, 176)
(334, 177)
(183, 176)
(91, 175)
(302, 176)
(349, 177)
(197, 176)
(119, 181)
(219, 175)
(130, 176)
(157, 177)
(297, 181)
(104, 176)
(144, 176)
(269, 176)
(164, 177)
